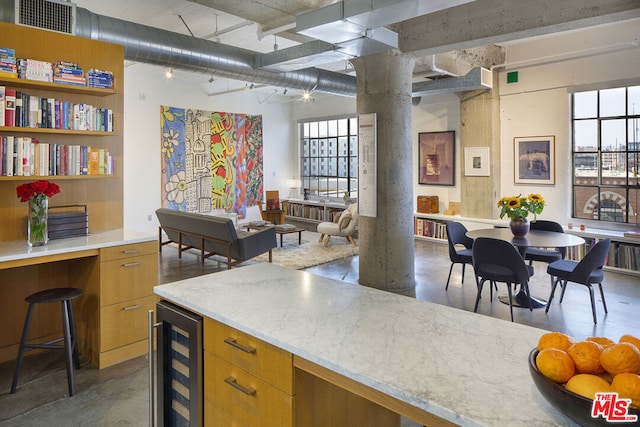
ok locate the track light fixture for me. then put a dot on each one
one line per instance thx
(251, 86)
(169, 73)
(285, 91)
(211, 79)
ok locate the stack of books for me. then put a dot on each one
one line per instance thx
(100, 79)
(69, 73)
(32, 69)
(8, 67)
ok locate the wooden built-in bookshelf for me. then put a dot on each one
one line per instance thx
(103, 197)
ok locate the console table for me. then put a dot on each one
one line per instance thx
(297, 337)
(116, 270)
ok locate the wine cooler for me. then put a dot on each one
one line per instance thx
(179, 390)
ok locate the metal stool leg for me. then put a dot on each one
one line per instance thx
(68, 349)
(21, 350)
(74, 337)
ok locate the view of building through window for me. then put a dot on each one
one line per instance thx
(329, 157)
(606, 151)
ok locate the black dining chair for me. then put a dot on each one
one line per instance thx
(587, 272)
(499, 261)
(541, 254)
(459, 247)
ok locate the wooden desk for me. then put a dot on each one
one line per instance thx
(116, 270)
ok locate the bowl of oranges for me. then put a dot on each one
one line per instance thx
(571, 374)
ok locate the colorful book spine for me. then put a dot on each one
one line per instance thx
(10, 107)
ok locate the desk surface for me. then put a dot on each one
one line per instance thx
(466, 368)
(18, 250)
(534, 238)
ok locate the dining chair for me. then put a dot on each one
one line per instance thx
(499, 261)
(587, 272)
(541, 254)
(459, 247)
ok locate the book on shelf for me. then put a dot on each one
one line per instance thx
(2, 104)
(635, 233)
(10, 107)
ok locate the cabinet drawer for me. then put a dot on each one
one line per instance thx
(127, 251)
(273, 365)
(125, 323)
(126, 279)
(234, 393)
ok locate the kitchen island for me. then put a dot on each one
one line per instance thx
(434, 364)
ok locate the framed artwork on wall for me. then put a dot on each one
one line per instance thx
(436, 158)
(534, 158)
(476, 161)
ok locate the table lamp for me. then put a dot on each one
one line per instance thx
(294, 185)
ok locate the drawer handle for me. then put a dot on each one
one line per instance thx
(249, 391)
(232, 342)
(131, 251)
(131, 264)
(131, 307)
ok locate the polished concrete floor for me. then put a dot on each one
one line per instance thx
(118, 396)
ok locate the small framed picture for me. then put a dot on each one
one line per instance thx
(476, 161)
(436, 158)
(534, 158)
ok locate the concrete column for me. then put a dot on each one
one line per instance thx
(386, 241)
(480, 127)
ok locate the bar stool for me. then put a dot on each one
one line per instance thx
(63, 295)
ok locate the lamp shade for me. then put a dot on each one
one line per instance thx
(294, 183)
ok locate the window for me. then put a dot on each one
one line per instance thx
(606, 151)
(329, 157)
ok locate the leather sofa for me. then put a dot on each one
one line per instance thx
(213, 235)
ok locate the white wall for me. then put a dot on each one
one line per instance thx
(146, 90)
(540, 102)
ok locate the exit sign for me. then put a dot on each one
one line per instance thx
(512, 77)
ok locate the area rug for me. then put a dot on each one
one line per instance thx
(310, 252)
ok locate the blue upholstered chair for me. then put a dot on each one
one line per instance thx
(459, 247)
(586, 272)
(499, 261)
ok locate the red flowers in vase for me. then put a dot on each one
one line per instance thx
(27, 191)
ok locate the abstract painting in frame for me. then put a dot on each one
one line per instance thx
(436, 158)
(534, 158)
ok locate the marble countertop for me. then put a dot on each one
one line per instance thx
(464, 367)
(19, 249)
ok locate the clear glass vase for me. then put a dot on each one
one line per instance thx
(37, 233)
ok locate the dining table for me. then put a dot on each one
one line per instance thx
(533, 239)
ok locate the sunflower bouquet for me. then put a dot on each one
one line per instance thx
(520, 207)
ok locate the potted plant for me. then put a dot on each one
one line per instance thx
(517, 209)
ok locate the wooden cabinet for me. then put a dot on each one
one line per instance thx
(116, 303)
(103, 194)
(247, 381)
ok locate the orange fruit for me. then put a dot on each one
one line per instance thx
(587, 385)
(627, 386)
(603, 341)
(621, 357)
(586, 356)
(555, 364)
(631, 339)
(555, 340)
